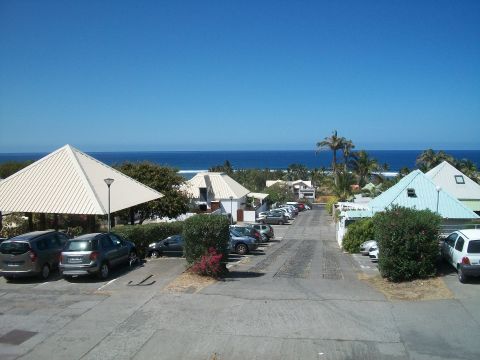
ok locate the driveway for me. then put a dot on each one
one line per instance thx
(297, 298)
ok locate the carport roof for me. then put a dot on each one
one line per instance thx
(68, 181)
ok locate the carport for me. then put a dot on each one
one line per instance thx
(68, 181)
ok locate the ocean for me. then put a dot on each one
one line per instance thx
(190, 162)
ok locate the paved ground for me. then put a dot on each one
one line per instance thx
(295, 298)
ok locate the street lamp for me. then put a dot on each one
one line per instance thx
(231, 210)
(109, 182)
(438, 188)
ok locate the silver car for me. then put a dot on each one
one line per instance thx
(34, 253)
(95, 254)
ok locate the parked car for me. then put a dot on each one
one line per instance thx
(288, 213)
(266, 230)
(171, 244)
(373, 254)
(461, 249)
(32, 254)
(96, 254)
(248, 230)
(275, 218)
(366, 247)
(292, 208)
(241, 244)
(262, 215)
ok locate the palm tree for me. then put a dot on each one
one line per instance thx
(363, 166)
(333, 143)
(347, 148)
(428, 159)
(343, 188)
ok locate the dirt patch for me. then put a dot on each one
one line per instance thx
(189, 283)
(419, 290)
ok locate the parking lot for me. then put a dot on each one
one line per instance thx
(297, 297)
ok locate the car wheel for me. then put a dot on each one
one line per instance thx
(461, 275)
(241, 249)
(132, 258)
(104, 271)
(45, 273)
(155, 254)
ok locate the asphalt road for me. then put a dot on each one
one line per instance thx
(298, 297)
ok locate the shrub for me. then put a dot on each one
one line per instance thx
(202, 232)
(332, 201)
(357, 233)
(209, 264)
(407, 241)
(142, 235)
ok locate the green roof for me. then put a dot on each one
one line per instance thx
(425, 196)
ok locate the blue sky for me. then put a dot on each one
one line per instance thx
(233, 75)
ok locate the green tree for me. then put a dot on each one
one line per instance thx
(278, 193)
(363, 166)
(163, 179)
(428, 159)
(297, 172)
(225, 168)
(333, 143)
(11, 167)
(347, 148)
(343, 188)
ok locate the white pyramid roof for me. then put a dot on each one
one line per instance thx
(221, 185)
(444, 176)
(68, 181)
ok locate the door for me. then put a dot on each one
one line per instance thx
(458, 251)
(109, 250)
(122, 248)
(448, 247)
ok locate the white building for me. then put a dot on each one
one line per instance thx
(213, 191)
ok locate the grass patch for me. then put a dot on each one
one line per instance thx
(417, 290)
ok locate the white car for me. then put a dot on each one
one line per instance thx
(262, 215)
(462, 250)
(366, 246)
(373, 254)
(286, 212)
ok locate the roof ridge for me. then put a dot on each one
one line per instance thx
(34, 164)
(83, 176)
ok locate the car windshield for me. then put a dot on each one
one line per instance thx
(235, 233)
(81, 245)
(474, 247)
(14, 247)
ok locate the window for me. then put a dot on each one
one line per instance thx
(14, 248)
(42, 244)
(459, 179)
(106, 242)
(450, 240)
(411, 192)
(116, 240)
(459, 244)
(81, 245)
(474, 247)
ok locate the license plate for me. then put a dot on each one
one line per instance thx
(13, 264)
(75, 260)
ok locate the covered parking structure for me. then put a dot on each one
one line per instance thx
(68, 181)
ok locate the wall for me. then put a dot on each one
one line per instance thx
(225, 204)
(249, 216)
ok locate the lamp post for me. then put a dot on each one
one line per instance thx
(438, 188)
(231, 210)
(109, 182)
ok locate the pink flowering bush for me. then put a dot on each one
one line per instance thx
(209, 264)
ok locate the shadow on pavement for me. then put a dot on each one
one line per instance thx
(232, 275)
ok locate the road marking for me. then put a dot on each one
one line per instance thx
(108, 283)
(41, 284)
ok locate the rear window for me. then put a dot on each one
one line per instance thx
(474, 247)
(81, 245)
(14, 248)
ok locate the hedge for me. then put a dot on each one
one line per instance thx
(357, 233)
(142, 235)
(202, 232)
(407, 242)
